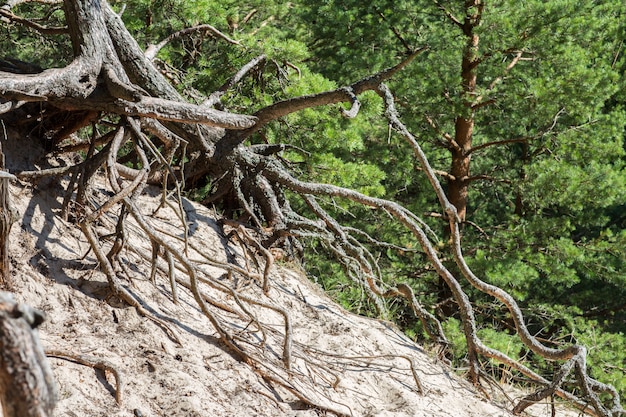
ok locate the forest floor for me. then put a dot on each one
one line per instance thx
(361, 366)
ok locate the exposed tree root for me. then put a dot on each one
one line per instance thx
(96, 363)
(574, 355)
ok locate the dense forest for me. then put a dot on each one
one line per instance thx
(370, 143)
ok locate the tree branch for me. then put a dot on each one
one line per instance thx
(479, 177)
(448, 14)
(162, 109)
(499, 142)
(443, 174)
(395, 31)
(217, 94)
(451, 142)
(283, 108)
(575, 353)
(7, 14)
(477, 103)
(153, 50)
(286, 107)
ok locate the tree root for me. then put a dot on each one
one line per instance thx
(575, 355)
(96, 363)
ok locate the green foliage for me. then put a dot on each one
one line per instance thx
(606, 354)
(452, 327)
(25, 44)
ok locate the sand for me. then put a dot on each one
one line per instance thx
(345, 364)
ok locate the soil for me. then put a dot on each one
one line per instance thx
(345, 364)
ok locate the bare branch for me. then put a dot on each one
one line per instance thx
(448, 14)
(574, 352)
(217, 94)
(343, 94)
(356, 105)
(93, 362)
(153, 50)
(7, 14)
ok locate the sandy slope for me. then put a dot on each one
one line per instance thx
(345, 363)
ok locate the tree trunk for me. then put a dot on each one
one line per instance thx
(464, 124)
(461, 147)
(26, 384)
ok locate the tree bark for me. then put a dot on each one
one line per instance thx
(26, 383)
(464, 124)
(7, 218)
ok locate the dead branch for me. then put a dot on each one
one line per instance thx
(345, 94)
(8, 15)
(234, 80)
(161, 109)
(153, 50)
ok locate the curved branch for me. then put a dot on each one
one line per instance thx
(93, 362)
(7, 14)
(344, 94)
(142, 72)
(356, 105)
(217, 94)
(78, 80)
(153, 50)
(292, 105)
(276, 173)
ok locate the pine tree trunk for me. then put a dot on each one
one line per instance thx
(464, 124)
